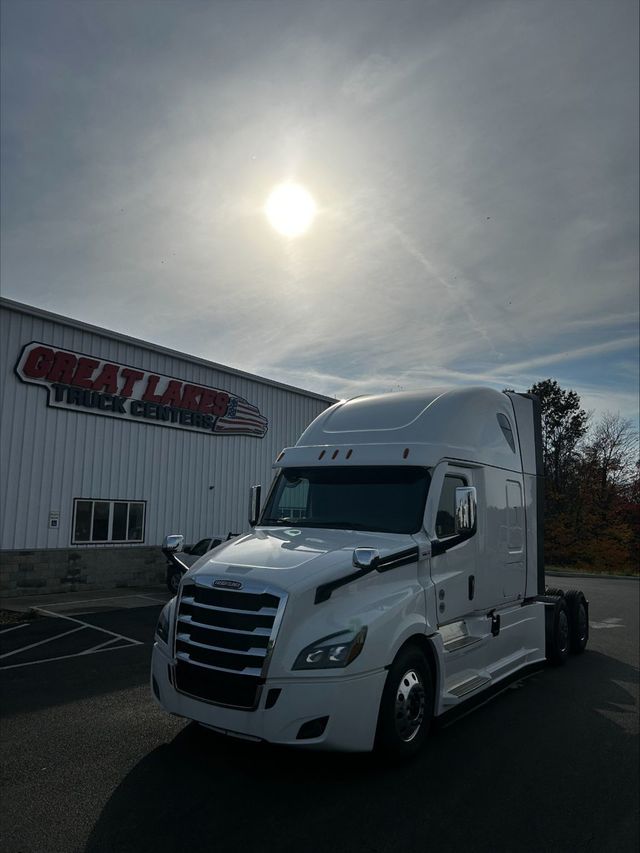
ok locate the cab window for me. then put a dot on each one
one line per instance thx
(446, 517)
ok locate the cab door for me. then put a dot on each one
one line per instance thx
(454, 556)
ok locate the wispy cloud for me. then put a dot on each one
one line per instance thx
(630, 318)
(453, 291)
(575, 354)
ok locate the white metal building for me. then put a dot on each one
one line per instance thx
(109, 443)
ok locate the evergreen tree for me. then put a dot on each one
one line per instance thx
(564, 424)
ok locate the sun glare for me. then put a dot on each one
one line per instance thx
(290, 209)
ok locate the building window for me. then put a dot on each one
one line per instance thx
(96, 521)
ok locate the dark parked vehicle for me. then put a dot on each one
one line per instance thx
(178, 564)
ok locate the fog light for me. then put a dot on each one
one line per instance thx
(272, 697)
(312, 729)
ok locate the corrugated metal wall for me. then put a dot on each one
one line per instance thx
(51, 456)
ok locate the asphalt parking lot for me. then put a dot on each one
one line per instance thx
(89, 763)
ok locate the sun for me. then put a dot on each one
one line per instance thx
(290, 209)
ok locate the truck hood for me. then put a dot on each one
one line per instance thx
(289, 557)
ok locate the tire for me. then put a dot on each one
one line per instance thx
(173, 581)
(558, 632)
(552, 590)
(578, 610)
(406, 707)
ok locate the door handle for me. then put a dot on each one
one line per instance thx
(472, 587)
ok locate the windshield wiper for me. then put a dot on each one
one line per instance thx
(331, 524)
(285, 520)
(337, 525)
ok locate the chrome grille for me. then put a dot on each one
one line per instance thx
(223, 640)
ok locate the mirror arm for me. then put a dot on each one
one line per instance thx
(171, 557)
(400, 558)
(254, 504)
(323, 592)
(376, 564)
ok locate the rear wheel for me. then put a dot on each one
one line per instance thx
(406, 707)
(578, 612)
(557, 632)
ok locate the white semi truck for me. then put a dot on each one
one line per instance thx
(394, 573)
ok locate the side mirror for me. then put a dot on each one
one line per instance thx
(466, 506)
(173, 543)
(254, 504)
(365, 558)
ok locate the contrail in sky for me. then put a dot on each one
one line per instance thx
(409, 246)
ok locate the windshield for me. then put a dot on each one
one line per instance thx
(387, 499)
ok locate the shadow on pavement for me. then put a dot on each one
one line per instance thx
(551, 764)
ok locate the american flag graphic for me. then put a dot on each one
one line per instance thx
(242, 419)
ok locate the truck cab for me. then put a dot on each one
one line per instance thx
(394, 572)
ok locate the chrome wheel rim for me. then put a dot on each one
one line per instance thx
(409, 705)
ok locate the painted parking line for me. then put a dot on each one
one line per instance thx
(60, 657)
(88, 625)
(85, 606)
(110, 642)
(114, 641)
(40, 642)
(13, 628)
(92, 600)
(157, 599)
(612, 622)
(37, 629)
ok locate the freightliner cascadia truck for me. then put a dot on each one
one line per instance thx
(394, 572)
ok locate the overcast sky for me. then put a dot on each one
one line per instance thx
(475, 167)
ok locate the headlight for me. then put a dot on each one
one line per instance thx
(162, 628)
(336, 650)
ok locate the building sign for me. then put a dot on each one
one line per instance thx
(83, 383)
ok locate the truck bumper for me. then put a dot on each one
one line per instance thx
(350, 703)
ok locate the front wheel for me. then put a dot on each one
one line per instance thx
(173, 581)
(406, 707)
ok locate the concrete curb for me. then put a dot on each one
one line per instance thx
(592, 575)
(24, 604)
